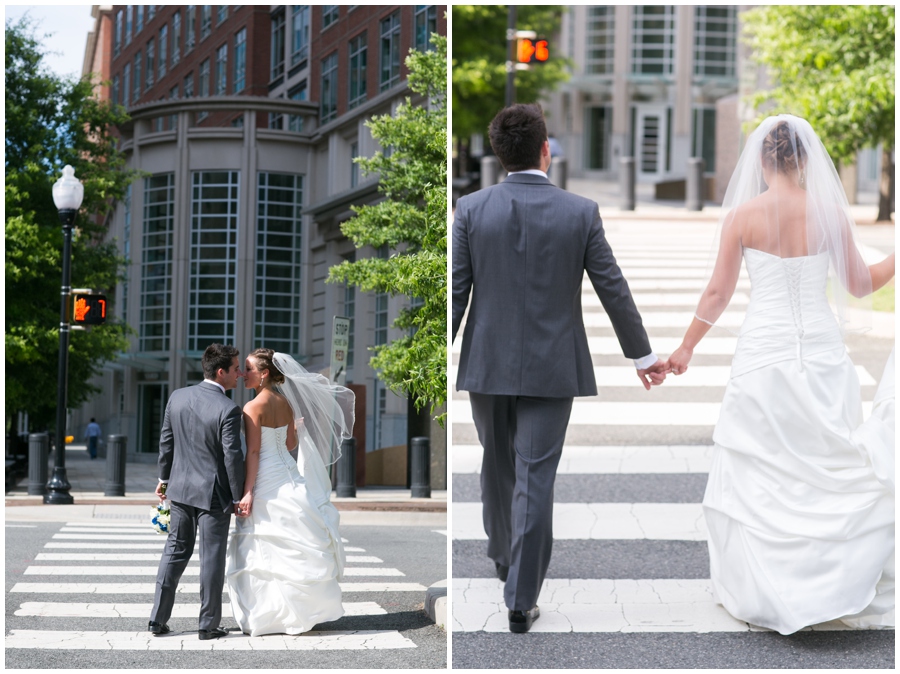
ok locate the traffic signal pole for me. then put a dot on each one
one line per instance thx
(511, 56)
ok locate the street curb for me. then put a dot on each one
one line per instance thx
(436, 603)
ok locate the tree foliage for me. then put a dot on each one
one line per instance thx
(412, 222)
(832, 65)
(479, 62)
(51, 122)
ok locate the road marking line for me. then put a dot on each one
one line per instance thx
(125, 610)
(152, 571)
(603, 605)
(362, 559)
(108, 546)
(602, 521)
(101, 537)
(144, 641)
(583, 460)
(183, 588)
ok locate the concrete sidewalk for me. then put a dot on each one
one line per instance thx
(88, 480)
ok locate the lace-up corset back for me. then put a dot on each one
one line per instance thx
(788, 315)
(273, 439)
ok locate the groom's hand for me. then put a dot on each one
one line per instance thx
(242, 509)
(160, 491)
(653, 375)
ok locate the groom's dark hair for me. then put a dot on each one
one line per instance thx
(517, 134)
(216, 357)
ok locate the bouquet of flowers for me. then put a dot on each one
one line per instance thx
(159, 516)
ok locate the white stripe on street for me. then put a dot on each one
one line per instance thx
(604, 605)
(150, 536)
(88, 528)
(622, 414)
(21, 526)
(665, 319)
(235, 641)
(669, 284)
(346, 549)
(109, 546)
(602, 521)
(580, 460)
(152, 570)
(665, 299)
(609, 346)
(715, 376)
(662, 264)
(362, 559)
(183, 588)
(63, 610)
(112, 525)
(97, 557)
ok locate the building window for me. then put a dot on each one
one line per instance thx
(156, 262)
(381, 306)
(390, 51)
(222, 70)
(126, 249)
(704, 137)
(329, 15)
(276, 121)
(329, 88)
(137, 78)
(599, 123)
(115, 90)
(138, 18)
(357, 71)
(173, 119)
(176, 38)
(212, 294)
(205, 21)
(238, 122)
(163, 50)
(151, 12)
(653, 40)
(277, 314)
(277, 45)
(298, 93)
(128, 25)
(126, 84)
(204, 78)
(300, 40)
(151, 57)
(715, 38)
(221, 14)
(189, 85)
(601, 38)
(354, 167)
(117, 39)
(426, 24)
(240, 60)
(190, 35)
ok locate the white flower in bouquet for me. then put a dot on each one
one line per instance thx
(160, 518)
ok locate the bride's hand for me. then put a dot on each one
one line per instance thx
(245, 505)
(678, 361)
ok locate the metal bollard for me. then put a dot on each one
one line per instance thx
(490, 171)
(115, 465)
(38, 453)
(626, 183)
(694, 192)
(346, 470)
(558, 174)
(421, 468)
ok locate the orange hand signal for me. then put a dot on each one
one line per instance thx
(81, 309)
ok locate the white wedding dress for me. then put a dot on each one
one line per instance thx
(801, 529)
(285, 561)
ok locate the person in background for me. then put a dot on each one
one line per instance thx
(92, 435)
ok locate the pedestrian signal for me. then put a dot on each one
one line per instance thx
(531, 51)
(90, 309)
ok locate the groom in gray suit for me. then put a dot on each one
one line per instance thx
(521, 248)
(202, 467)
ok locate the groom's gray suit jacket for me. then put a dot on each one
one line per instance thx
(200, 447)
(522, 248)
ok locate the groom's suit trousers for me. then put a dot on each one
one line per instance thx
(522, 438)
(184, 524)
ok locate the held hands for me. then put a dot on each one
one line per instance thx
(242, 509)
(678, 361)
(653, 375)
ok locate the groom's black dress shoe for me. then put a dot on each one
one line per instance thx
(521, 621)
(502, 571)
(157, 629)
(212, 634)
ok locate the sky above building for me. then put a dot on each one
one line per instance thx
(61, 29)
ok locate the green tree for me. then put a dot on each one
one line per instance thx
(479, 62)
(51, 122)
(834, 66)
(412, 223)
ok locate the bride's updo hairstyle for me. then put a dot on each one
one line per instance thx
(264, 358)
(782, 150)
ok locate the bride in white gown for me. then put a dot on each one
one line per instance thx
(801, 528)
(285, 558)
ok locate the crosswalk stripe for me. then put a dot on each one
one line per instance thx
(590, 300)
(731, 320)
(606, 346)
(607, 459)
(152, 570)
(111, 525)
(146, 557)
(183, 588)
(670, 284)
(603, 605)
(108, 546)
(126, 610)
(150, 536)
(602, 521)
(622, 414)
(144, 641)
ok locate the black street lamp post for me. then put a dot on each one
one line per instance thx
(68, 193)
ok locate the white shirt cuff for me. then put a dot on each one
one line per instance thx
(164, 482)
(646, 361)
